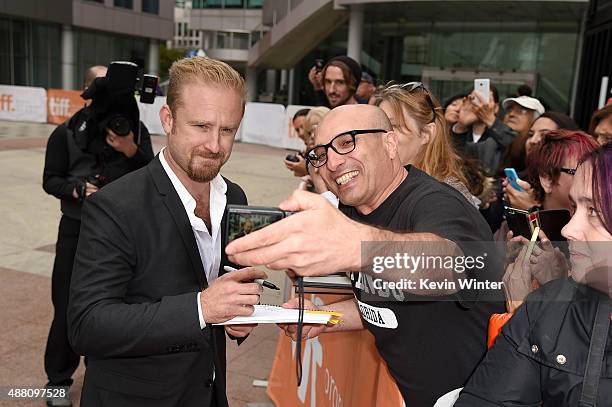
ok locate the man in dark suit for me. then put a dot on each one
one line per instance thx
(148, 285)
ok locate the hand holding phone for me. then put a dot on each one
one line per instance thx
(512, 177)
(240, 220)
(483, 86)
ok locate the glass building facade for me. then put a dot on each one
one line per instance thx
(227, 3)
(30, 53)
(448, 56)
(98, 48)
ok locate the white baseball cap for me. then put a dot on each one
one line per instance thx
(528, 103)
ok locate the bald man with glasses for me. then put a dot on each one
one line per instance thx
(431, 338)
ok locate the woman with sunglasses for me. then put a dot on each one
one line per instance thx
(424, 140)
(557, 348)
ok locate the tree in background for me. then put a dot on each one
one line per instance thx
(166, 57)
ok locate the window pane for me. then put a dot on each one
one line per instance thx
(233, 4)
(20, 53)
(221, 39)
(241, 41)
(555, 67)
(150, 6)
(46, 52)
(255, 4)
(207, 3)
(124, 3)
(5, 60)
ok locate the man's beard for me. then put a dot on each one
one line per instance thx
(338, 98)
(206, 170)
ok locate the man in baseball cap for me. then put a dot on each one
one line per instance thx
(521, 113)
(366, 87)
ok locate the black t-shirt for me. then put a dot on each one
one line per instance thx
(431, 347)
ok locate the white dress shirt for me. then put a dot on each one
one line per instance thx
(209, 244)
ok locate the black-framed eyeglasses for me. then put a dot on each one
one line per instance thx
(570, 171)
(342, 144)
(411, 87)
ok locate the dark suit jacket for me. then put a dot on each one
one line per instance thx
(133, 309)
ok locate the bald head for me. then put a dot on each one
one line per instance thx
(351, 117)
(360, 169)
(93, 73)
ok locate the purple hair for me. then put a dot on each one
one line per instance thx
(601, 161)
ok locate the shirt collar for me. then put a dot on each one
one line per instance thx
(218, 188)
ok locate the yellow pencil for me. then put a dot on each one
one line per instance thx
(532, 243)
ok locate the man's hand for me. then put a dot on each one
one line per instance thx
(317, 241)
(239, 331)
(89, 189)
(517, 199)
(298, 167)
(316, 78)
(308, 330)
(484, 111)
(231, 295)
(122, 144)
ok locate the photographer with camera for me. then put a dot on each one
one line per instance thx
(97, 145)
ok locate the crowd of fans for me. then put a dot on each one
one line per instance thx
(466, 143)
(469, 144)
(397, 167)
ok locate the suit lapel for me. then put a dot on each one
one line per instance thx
(177, 211)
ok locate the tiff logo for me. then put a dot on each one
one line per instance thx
(6, 103)
(59, 106)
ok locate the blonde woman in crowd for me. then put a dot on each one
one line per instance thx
(424, 139)
(306, 133)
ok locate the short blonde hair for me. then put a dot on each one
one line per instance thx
(205, 70)
(314, 118)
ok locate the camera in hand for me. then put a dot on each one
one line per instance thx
(240, 220)
(112, 99)
(113, 106)
(119, 124)
(319, 64)
(292, 158)
(97, 181)
(550, 221)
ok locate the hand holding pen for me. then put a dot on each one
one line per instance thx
(259, 281)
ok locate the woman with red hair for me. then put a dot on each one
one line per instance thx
(551, 167)
(557, 348)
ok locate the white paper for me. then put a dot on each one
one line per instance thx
(273, 314)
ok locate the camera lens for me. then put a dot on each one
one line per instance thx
(120, 125)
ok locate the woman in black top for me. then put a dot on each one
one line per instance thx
(557, 349)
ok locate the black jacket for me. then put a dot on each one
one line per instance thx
(540, 356)
(133, 307)
(489, 148)
(67, 165)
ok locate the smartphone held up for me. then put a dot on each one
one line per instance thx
(483, 87)
(240, 220)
